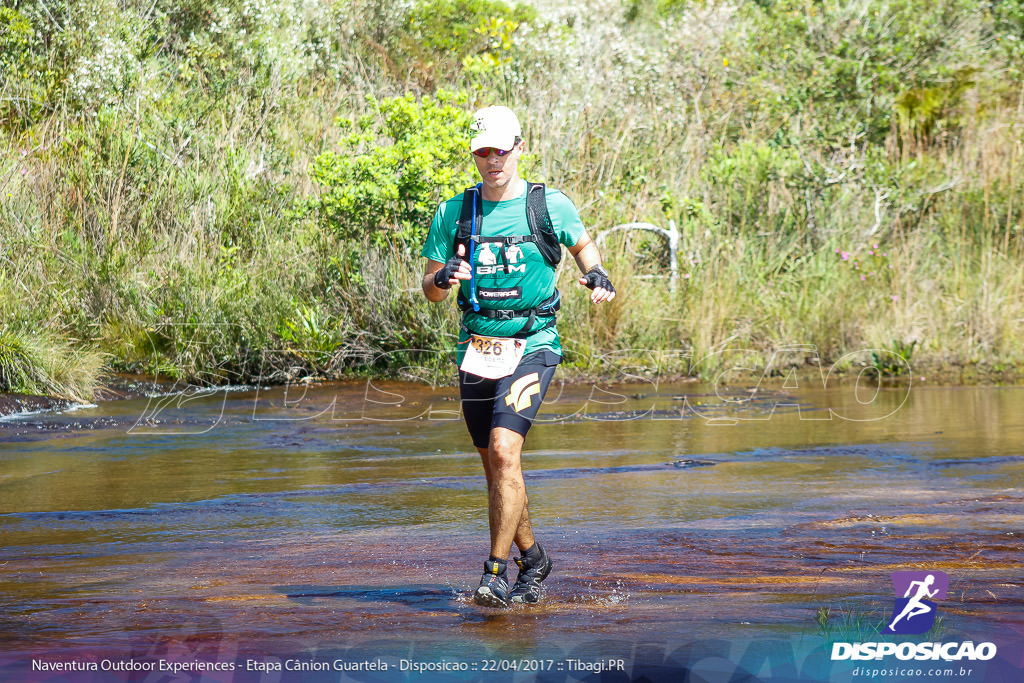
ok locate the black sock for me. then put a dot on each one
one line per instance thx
(492, 558)
(533, 553)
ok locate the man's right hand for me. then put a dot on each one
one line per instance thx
(456, 268)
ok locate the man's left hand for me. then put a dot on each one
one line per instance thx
(598, 281)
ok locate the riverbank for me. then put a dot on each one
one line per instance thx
(16, 404)
(743, 378)
(109, 389)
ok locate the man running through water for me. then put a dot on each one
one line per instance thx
(499, 243)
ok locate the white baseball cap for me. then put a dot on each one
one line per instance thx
(494, 127)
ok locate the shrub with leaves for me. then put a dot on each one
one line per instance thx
(428, 40)
(394, 166)
(30, 78)
(843, 64)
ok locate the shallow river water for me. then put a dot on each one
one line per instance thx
(336, 532)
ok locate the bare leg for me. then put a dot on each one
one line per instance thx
(524, 533)
(507, 502)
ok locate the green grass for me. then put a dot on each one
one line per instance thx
(847, 624)
(34, 364)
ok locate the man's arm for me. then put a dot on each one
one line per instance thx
(439, 277)
(588, 259)
(430, 290)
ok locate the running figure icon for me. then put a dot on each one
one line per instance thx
(915, 606)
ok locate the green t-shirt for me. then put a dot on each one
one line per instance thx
(512, 276)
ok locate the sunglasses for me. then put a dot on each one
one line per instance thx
(485, 152)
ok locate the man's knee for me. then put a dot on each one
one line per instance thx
(505, 450)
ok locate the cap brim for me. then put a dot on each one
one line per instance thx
(492, 140)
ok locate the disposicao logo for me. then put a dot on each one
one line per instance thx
(916, 592)
(913, 613)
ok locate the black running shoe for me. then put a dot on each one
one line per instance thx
(528, 588)
(493, 590)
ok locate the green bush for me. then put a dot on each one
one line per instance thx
(31, 77)
(394, 166)
(746, 178)
(1008, 33)
(449, 31)
(844, 64)
(427, 41)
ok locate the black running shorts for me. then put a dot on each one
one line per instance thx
(511, 402)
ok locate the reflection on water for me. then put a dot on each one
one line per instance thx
(304, 517)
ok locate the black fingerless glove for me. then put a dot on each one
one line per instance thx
(442, 276)
(598, 277)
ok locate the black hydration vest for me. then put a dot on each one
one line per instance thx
(542, 233)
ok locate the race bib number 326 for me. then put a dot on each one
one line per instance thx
(492, 357)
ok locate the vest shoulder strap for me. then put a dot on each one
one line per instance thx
(542, 230)
(540, 223)
(464, 229)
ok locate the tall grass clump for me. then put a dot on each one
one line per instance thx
(33, 364)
